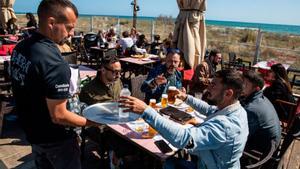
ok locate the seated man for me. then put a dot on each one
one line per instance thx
(264, 125)
(220, 140)
(163, 76)
(106, 86)
(204, 71)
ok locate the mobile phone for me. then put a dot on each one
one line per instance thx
(163, 146)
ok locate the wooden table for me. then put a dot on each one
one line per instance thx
(86, 72)
(137, 66)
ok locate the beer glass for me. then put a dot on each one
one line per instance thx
(164, 100)
(171, 94)
(152, 103)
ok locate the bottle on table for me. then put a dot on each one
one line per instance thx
(124, 92)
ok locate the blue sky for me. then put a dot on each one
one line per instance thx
(261, 11)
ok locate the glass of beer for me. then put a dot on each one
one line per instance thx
(164, 100)
(152, 103)
(171, 94)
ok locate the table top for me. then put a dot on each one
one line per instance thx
(86, 71)
(4, 58)
(138, 61)
(147, 144)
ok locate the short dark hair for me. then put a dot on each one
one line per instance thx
(55, 8)
(231, 79)
(214, 52)
(254, 78)
(125, 34)
(173, 51)
(109, 60)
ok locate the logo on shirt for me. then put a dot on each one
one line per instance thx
(19, 67)
(62, 87)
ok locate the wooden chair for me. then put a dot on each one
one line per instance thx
(259, 158)
(294, 110)
(136, 83)
(295, 81)
(70, 57)
(6, 97)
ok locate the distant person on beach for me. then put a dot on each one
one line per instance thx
(40, 83)
(205, 71)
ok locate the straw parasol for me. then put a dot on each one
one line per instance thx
(7, 12)
(190, 32)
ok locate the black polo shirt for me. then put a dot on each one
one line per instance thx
(38, 72)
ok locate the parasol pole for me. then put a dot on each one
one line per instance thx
(136, 8)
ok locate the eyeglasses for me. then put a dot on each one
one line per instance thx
(115, 72)
(173, 51)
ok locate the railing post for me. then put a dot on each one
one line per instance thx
(257, 46)
(91, 23)
(152, 30)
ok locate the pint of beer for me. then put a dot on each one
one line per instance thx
(152, 103)
(171, 94)
(164, 100)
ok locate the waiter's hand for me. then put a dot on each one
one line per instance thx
(132, 104)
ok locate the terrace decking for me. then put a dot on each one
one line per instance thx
(15, 151)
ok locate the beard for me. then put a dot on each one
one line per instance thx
(215, 100)
(171, 69)
(63, 41)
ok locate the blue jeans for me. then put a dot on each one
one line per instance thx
(59, 155)
(178, 163)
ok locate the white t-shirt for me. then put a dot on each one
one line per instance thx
(126, 43)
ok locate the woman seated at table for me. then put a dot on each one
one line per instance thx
(280, 89)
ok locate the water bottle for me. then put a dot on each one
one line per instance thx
(124, 92)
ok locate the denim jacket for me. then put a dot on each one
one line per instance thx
(218, 142)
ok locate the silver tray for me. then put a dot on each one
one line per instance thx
(107, 113)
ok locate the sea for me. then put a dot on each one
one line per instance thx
(275, 28)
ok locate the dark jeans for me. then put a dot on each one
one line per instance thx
(59, 155)
(178, 163)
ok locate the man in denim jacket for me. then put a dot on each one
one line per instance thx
(219, 141)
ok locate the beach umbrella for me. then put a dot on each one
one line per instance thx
(190, 32)
(7, 11)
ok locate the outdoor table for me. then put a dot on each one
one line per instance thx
(138, 66)
(127, 132)
(86, 71)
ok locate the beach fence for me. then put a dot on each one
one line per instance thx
(250, 44)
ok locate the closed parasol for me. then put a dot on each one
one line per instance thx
(7, 12)
(189, 32)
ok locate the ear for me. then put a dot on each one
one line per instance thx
(257, 88)
(229, 93)
(51, 22)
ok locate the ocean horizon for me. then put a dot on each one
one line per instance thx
(266, 27)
